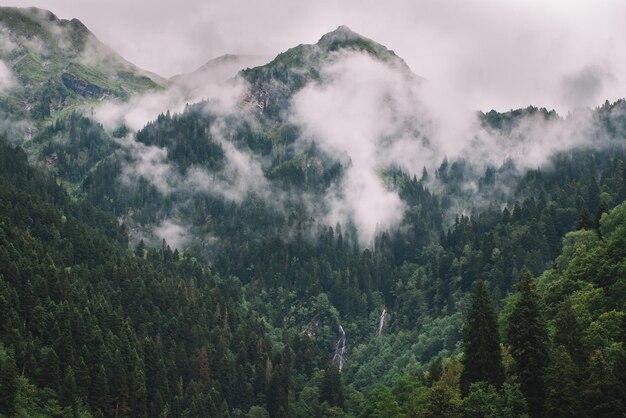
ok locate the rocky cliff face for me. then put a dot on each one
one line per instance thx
(83, 88)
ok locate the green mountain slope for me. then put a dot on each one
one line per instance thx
(264, 294)
(96, 329)
(58, 64)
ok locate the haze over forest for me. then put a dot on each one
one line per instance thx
(272, 211)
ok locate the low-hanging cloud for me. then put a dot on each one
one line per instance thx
(529, 143)
(369, 115)
(216, 81)
(150, 163)
(7, 79)
(175, 234)
(241, 176)
(7, 45)
(372, 116)
(585, 87)
(221, 90)
(366, 113)
(242, 173)
(141, 109)
(478, 55)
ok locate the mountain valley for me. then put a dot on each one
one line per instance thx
(298, 237)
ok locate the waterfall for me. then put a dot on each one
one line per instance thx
(381, 323)
(340, 349)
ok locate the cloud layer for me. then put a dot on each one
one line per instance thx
(141, 109)
(366, 114)
(480, 55)
(7, 79)
(370, 116)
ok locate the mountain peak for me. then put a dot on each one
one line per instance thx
(342, 33)
(64, 61)
(45, 26)
(344, 38)
(274, 83)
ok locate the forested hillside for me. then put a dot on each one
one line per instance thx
(92, 328)
(311, 248)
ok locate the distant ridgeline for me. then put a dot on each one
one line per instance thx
(190, 268)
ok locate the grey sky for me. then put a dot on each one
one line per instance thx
(478, 54)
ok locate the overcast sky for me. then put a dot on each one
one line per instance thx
(478, 54)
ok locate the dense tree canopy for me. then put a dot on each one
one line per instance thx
(98, 322)
(481, 343)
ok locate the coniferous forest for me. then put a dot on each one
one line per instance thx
(189, 268)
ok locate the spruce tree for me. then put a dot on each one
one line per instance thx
(482, 361)
(528, 340)
(331, 387)
(603, 394)
(569, 333)
(562, 387)
(9, 385)
(585, 221)
(203, 367)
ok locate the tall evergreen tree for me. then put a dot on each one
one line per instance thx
(603, 395)
(585, 221)
(569, 333)
(331, 388)
(482, 361)
(8, 383)
(203, 367)
(528, 340)
(562, 392)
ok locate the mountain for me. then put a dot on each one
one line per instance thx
(81, 257)
(212, 263)
(273, 84)
(57, 64)
(216, 74)
(219, 69)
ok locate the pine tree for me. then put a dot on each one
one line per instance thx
(331, 388)
(278, 391)
(68, 388)
(119, 385)
(100, 398)
(618, 178)
(569, 333)
(585, 221)
(603, 395)
(8, 383)
(602, 209)
(482, 361)
(593, 195)
(203, 368)
(562, 392)
(528, 339)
